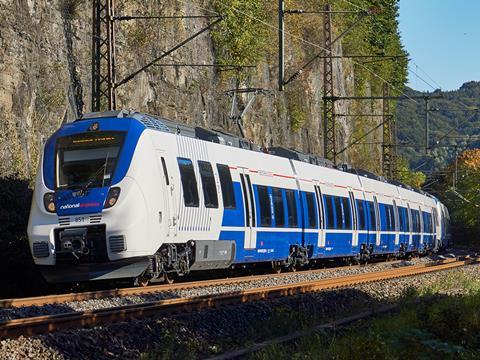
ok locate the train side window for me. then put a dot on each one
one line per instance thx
(189, 182)
(226, 184)
(278, 207)
(312, 215)
(371, 213)
(416, 221)
(292, 208)
(264, 206)
(329, 212)
(347, 215)
(391, 217)
(165, 172)
(361, 215)
(208, 184)
(337, 204)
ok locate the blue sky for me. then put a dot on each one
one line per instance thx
(443, 39)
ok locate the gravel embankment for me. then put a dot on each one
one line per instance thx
(288, 278)
(198, 334)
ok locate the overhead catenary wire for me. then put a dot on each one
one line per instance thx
(298, 38)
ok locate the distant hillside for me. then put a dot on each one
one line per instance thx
(450, 125)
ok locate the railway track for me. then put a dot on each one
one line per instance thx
(50, 323)
(82, 296)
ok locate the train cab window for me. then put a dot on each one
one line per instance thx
(362, 224)
(208, 184)
(329, 212)
(226, 184)
(292, 208)
(278, 207)
(189, 182)
(312, 215)
(265, 206)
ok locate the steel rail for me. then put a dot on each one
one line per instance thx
(90, 295)
(50, 323)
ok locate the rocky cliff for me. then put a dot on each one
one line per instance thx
(45, 72)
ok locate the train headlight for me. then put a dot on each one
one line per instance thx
(112, 197)
(49, 202)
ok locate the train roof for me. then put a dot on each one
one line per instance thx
(220, 137)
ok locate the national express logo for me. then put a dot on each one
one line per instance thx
(78, 205)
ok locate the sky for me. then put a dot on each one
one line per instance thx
(443, 40)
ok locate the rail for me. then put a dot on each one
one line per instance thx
(50, 323)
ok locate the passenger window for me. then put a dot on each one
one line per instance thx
(278, 207)
(292, 208)
(265, 207)
(371, 209)
(338, 212)
(329, 212)
(165, 172)
(208, 184)
(361, 215)
(347, 213)
(226, 184)
(189, 182)
(312, 215)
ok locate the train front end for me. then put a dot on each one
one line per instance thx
(85, 207)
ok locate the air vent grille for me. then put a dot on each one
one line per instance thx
(117, 243)
(95, 219)
(64, 221)
(40, 249)
(155, 124)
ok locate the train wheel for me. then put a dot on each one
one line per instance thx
(277, 268)
(142, 281)
(168, 279)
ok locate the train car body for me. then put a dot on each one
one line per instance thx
(129, 195)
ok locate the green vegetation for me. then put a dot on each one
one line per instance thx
(463, 201)
(435, 327)
(248, 35)
(410, 177)
(240, 38)
(452, 125)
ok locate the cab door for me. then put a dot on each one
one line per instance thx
(169, 214)
(249, 211)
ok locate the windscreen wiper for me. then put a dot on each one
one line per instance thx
(92, 178)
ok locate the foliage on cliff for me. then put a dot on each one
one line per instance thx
(248, 35)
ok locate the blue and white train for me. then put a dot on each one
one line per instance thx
(129, 195)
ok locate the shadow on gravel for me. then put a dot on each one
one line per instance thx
(18, 276)
(208, 332)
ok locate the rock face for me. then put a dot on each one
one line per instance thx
(45, 78)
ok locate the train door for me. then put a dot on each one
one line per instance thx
(421, 226)
(167, 186)
(396, 227)
(321, 218)
(434, 227)
(249, 208)
(354, 221)
(410, 226)
(377, 221)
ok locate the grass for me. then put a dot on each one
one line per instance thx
(438, 326)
